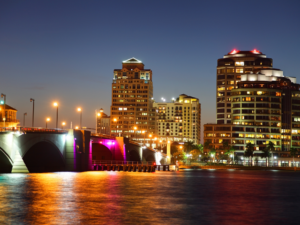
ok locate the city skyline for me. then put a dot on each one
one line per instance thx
(65, 53)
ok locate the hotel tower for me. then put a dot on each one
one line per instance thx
(132, 113)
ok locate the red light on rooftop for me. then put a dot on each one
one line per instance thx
(255, 51)
(234, 51)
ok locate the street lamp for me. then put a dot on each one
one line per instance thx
(63, 124)
(56, 105)
(144, 132)
(32, 100)
(76, 127)
(79, 110)
(135, 130)
(4, 118)
(47, 120)
(25, 114)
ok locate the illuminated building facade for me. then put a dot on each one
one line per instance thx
(179, 120)
(229, 71)
(265, 106)
(103, 123)
(132, 106)
(9, 114)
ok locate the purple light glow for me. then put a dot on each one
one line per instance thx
(109, 143)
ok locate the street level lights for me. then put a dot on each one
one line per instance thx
(63, 124)
(32, 100)
(56, 105)
(47, 120)
(4, 117)
(80, 111)
(25, 114)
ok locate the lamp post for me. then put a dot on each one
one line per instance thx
(115, 121)
(56, 105)
(135, 129)
(79, 110)
(32, 100)
(150, 136)
(76, 127)
(4, 117)
(144, 132)
(63, 124)
(97, 116)
(47, 120)
(25, 114)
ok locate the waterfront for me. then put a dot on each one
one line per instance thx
(189, 197)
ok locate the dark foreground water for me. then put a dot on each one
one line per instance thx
(189, 197)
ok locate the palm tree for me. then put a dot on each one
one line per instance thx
(249, 151)
(271, 148)
(212, 153)
(230, 152)
(293, 152)
(206, 145)
(189, 145)
(266, 154)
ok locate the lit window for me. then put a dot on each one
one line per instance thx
(239, 63)
(239, 70)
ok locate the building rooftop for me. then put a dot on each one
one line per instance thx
(132, 60)
(238, 53)
(8, 107)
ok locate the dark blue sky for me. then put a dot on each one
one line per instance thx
(67, 50)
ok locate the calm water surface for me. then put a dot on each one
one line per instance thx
(189, 197)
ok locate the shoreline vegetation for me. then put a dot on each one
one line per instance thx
(236, 167)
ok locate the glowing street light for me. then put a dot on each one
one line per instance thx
(80, 111)
(55, 104)
(4, 104)
(47, 120)
(135, 131)
(63, 124)
(76, 127)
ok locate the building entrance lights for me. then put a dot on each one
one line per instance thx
(47, 120)
(80, 111)
(55, 104)
(32, 100)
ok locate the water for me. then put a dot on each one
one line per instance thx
(189, 197)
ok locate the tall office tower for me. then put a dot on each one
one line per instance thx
(229, 70)
(132, 114)
(179, 120)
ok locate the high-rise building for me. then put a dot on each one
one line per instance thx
(103, 123)
(179, 120)
(132, 112)
(265, 107)
(229, 70)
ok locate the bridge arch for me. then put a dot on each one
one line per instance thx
(6, 163)
(44, 156)
(101, 152)
(134, 155)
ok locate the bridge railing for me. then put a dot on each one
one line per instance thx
(115, 162)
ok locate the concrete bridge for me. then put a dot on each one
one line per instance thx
(49, 150)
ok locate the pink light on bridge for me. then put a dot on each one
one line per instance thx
(100, 142)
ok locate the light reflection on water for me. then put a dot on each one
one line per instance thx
(189, 197)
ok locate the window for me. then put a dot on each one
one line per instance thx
(136, 75)
(239, 70)
(239, 63)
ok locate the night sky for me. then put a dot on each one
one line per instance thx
(66, 51)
